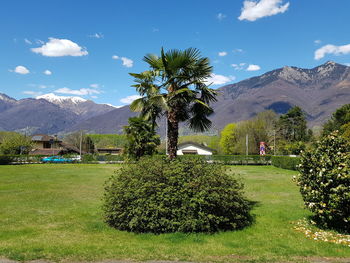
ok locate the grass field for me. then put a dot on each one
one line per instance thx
(53, 212)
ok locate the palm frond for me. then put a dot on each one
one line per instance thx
(138, 104)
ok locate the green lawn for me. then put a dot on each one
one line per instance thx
(53, 212)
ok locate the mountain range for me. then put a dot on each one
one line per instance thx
(318, 91)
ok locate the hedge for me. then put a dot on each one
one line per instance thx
(8, 159)
(95, 158)
(227, 159)
(222, 159)
(285, 162)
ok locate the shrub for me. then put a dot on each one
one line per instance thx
(285, 162)
(5, 159)
(184, 195)
(324, 182)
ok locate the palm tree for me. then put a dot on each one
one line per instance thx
(175, 86)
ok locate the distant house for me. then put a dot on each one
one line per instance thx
(49, 145)
(193, 148)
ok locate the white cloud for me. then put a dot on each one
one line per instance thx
(20, 70)
(239, 66)
(238, 50)
(222, 54)
(39, 42)
(80, 92)
(347, 64)
(41, 86)
(253, 10)
(59, 48)
(27, 41)
(32, 93)
(95, 86)
(97, 35)
(221, 16)
(47, 72)
(332, 49)
(129, 99)
(253, 67)
(127, 62)
(317, 42)
(217, 79)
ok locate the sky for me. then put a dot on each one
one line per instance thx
(87, 48)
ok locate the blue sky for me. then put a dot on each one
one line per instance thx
(87, 48)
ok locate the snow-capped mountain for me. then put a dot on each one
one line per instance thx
(48, 113)
(51, 97)
(82, 107)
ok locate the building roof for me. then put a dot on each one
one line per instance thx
(72, 148)
(45, 152)
(198, 145)
(43, 138)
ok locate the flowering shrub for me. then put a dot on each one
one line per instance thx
(185, 195)
(324, 181)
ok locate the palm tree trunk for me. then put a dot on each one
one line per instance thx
(173, 134)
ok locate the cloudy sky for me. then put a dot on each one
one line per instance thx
(87, 48)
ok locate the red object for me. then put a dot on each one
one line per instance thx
(262, 148)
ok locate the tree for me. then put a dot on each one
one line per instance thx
(87, 145)
(292, 125)
(339, 120)
(141, 138)
(228, 139)
(324, 181)
(14, 143)
(175, 86)
(259, 129)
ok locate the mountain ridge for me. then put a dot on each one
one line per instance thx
(319, 91)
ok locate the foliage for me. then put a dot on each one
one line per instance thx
(20, 159)
(345, 131)
(295, 148)
(292, 125)
(141, 138)
(108, 140)
(108, 158)
(324, 181)
(14, 143)
(259, 129)
(75, 138)
(175, 196)
(339, 118)
(241, 159)
(5, 159)
(228, 139)
(285, 162)
(175, 86)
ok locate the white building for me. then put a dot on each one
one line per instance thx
(193, 148)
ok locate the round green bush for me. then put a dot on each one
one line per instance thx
(189, 195)
(324, 182)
